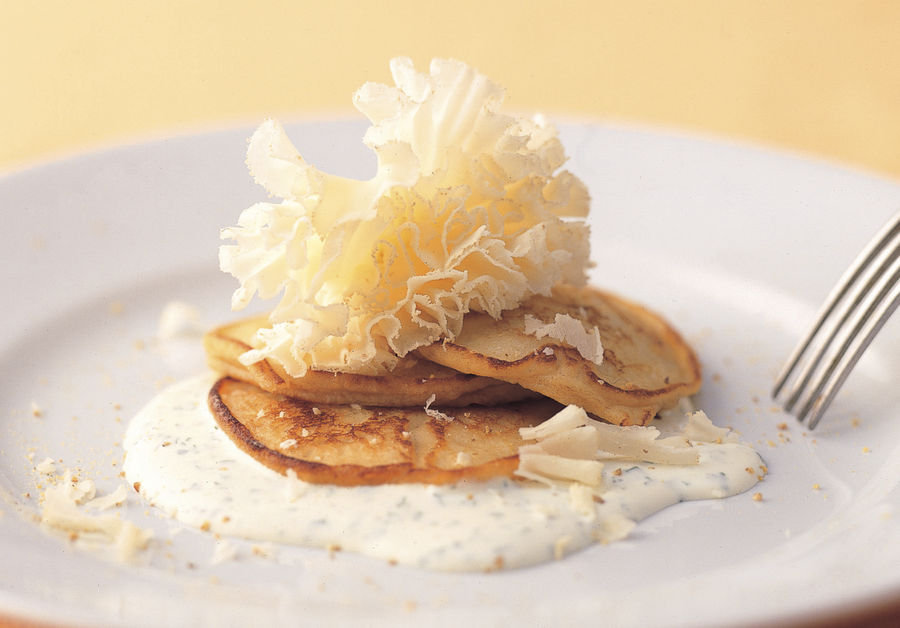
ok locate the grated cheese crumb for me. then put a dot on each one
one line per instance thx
(560, 546)
(46, 467)
(614, 528)
(582, 499)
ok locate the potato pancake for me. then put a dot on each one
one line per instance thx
(646, 365)
(352, 445)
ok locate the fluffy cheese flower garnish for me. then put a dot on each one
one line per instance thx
(468, 211)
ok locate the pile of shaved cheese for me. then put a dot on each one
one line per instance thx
(570, 446)
(469, 210)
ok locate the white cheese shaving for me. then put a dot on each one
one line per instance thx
(581, 497)
(572, 434)
(294, 487)
(435, 414)
(614, 528)
(61, 511)
(46, 466)
(700, 428)
(566, 419)
(547, 468)
(105, 502)
(569, 331)
(469, 210)
(569, 446)
(289, 442)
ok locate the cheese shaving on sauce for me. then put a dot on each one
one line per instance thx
(469, 210)
(570, 446)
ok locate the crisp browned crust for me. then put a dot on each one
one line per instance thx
(411, 383)
(354, 445)
(646, 365)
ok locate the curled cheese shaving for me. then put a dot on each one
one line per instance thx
(468, 211)
(570, 331)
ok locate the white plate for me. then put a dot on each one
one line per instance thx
(735, 245)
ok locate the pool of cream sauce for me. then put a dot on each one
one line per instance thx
(188, 468)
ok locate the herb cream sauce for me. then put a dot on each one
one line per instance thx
(187, 467)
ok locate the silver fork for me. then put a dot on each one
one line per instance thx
(852, 315)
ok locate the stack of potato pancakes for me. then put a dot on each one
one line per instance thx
(452, 410)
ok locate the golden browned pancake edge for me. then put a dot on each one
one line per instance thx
(647, 366)
(354, 445)
(411, 383)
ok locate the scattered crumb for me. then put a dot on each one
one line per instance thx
(264, 550)
(866, 450)
(261, 413)
(116, 308)
(855, 421)
(782, 426)
(757, 497)
(36, 410)
(816, 487)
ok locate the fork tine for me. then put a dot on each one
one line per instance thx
(861, 294)
(856, 294)
(827, 389)
(848, 279)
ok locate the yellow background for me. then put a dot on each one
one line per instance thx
(822, 78)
